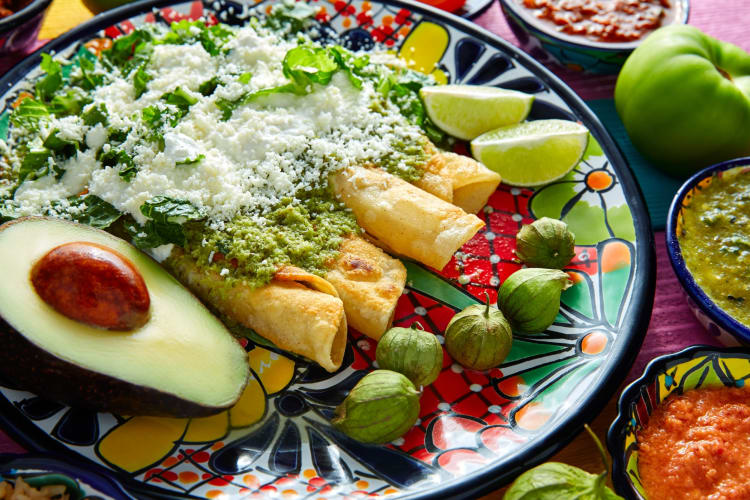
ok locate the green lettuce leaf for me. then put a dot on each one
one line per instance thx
(60, 147)
(290, 17)
(35, 165)
(28, 114)
(96, 212)
(212, 38)
(52, 81)
(97, 114)
(166, 216)
(115, 157)
(140, 80)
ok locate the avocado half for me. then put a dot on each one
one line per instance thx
(182, 362)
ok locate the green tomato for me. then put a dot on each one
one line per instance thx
(684, 98)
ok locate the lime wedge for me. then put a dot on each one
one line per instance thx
(532, 153)
(466, 111)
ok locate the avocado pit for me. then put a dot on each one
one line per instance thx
(92, 284)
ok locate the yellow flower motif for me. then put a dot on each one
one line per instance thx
(424, 48)
(142, 442)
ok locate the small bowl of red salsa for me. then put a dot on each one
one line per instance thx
(683, 428)
(589, 35)
(20, 21)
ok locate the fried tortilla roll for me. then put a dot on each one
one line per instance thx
(458, 179)
(403, 218)
(297, 311)
(369, 282)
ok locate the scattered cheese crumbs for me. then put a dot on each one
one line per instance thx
(269, 149)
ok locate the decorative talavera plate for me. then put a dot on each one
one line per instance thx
(692, 368)
(476, 429)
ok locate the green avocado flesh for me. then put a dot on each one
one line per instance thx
(181, 362)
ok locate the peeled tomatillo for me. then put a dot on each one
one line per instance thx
(684, 98)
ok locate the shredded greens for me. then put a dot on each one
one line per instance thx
(305, 231)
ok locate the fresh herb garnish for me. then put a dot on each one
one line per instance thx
(35, 164)
(96, 114)
(191, 161)
(290, 17)
(69, 103)
(28, 114)
(115, 157)
(402, 89)
(93, 211)
(213, 38)
(52, 81)
(129, 51)
(209, 86)
(304, 66)
(140, 80)
(64, 148)
(166, 216)
(90, 80)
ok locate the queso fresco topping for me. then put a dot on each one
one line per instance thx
(715, 241)
(602, 20)
(201, 136)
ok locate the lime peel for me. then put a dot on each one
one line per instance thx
(467, 111)
(532, 153)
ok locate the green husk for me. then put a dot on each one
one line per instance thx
(545, 243)
(413, 352)
(530, 298)
(380, 408)
(479, 337)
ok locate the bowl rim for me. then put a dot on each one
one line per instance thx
(694, 291)
(536, 28)
(486, 479)
(615, 434)
(17, 19)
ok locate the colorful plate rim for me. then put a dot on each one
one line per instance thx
(694, 291)
(633, 328)
(616, 433)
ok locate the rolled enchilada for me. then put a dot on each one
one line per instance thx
(403, 218)
(297, 311)
(369, 282)
(458, 179)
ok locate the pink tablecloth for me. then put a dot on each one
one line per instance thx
(672, 324)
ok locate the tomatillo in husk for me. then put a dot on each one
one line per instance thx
(479, 337)
(530, 298)
(412, 352)
(380, 408)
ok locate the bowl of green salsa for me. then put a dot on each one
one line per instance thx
(708, 242)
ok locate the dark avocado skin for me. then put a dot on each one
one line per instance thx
(31, 367)
(70, 384)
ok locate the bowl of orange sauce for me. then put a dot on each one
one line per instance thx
(683, 428)
(589, 35)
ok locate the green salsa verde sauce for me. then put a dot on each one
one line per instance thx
(305, 233)
(715, 241)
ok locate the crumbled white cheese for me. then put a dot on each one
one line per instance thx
(268, 149)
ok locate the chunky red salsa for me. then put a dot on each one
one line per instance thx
(8, 7)
(696, 446)
(602, 20)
